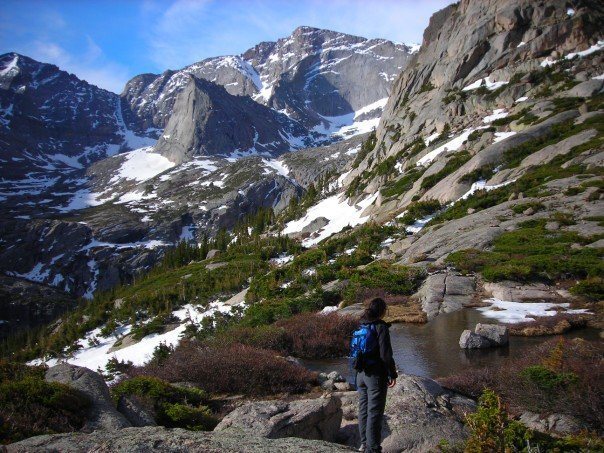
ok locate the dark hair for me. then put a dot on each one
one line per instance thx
(375, 309)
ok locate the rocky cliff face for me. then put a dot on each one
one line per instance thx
(207, 120)
(490, 81)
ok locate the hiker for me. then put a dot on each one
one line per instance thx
(371, 353)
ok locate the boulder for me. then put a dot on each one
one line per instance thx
(498, 334)
(471, 340)
(309, 419)
(212, 253)
(315, 225)
(103, 414)
(162, 440)
(420, 413)
(134, 412)
(558, 423)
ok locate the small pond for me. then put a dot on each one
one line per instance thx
(432, 349)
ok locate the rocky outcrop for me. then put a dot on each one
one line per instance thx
(163, 440)
(103, 414)
(131, 408)
(25, 305)
(420, 413)
(559, 424)
(308, 419)
(207, 120)
(445, 292)
(484, 336)
(517, 292)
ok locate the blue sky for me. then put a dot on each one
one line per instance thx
(106, 42)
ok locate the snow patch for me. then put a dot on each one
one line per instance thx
(487, 83)
(515, 312)
(337, 211)
(142, 164)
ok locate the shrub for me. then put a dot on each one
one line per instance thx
(174, 407)
(491, 429)
(563, 377)
(452, 164)
(520, 208)
(235, 369)
(403, 184)
(419, 210)
(533, 253)
(316, 336)
(30, 406)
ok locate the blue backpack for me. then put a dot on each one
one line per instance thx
(364, 347)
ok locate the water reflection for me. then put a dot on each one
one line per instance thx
(432, 349)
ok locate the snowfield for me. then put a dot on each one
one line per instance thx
(337, 211)
(95, 356)
(142, 164)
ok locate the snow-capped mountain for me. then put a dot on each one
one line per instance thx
(317, 77)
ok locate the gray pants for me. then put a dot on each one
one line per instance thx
(372, 401)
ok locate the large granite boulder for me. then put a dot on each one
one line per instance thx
(162, 440)
(471, 340)
(484, 336)
(309, 419)
(103, 414)
(497, 334)
(420, 413)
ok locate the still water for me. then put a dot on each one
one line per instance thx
(432, 349)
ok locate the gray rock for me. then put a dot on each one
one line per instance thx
(431, 294)
(315, 225)
(560, 424)
(586, 89)
(420, 413)
(103, 414)
(471, 340)
(212, 253)
(328, 384)
(164, 440)
(309, 419)
(498, 334)
(336, 377)
(134, 412)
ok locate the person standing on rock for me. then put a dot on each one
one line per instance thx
(376, 371)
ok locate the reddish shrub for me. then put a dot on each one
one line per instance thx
(582, 398)
(233, 369)
(316, 336)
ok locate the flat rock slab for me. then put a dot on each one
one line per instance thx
(309, 419)
(164, 440)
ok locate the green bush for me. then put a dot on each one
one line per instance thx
(419, 210)
(533, 253)
(491, 429)
(520, 208)
(455, 162)
(30, 406)
(174, 407)
(402, 184)
(547, 379)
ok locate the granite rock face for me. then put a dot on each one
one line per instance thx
(207, 120)
(164, 440)
(307, 419)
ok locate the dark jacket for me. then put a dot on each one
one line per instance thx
(386, 363)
